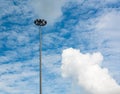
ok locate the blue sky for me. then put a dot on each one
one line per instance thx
(87, 25)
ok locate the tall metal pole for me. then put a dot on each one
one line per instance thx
(40, 58)
(40, 22)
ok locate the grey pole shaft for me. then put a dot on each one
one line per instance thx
(40, 59)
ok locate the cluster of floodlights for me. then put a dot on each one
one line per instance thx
(40, 22)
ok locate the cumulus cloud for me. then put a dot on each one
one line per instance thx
(85, 68)
(51, 10)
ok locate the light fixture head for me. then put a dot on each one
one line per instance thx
(40, 22)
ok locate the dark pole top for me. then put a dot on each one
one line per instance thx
(40, 22)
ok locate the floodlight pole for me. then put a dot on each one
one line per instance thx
(40, 58)
(40, 23)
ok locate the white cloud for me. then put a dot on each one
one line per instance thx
(49, 62)
(109, 22)
(104, 35)
(85, 68)
(19, 77)
(111, 1)
(107, 30)
(50, 10)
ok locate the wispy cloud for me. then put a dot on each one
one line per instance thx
(78, 25)
(50, 10)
